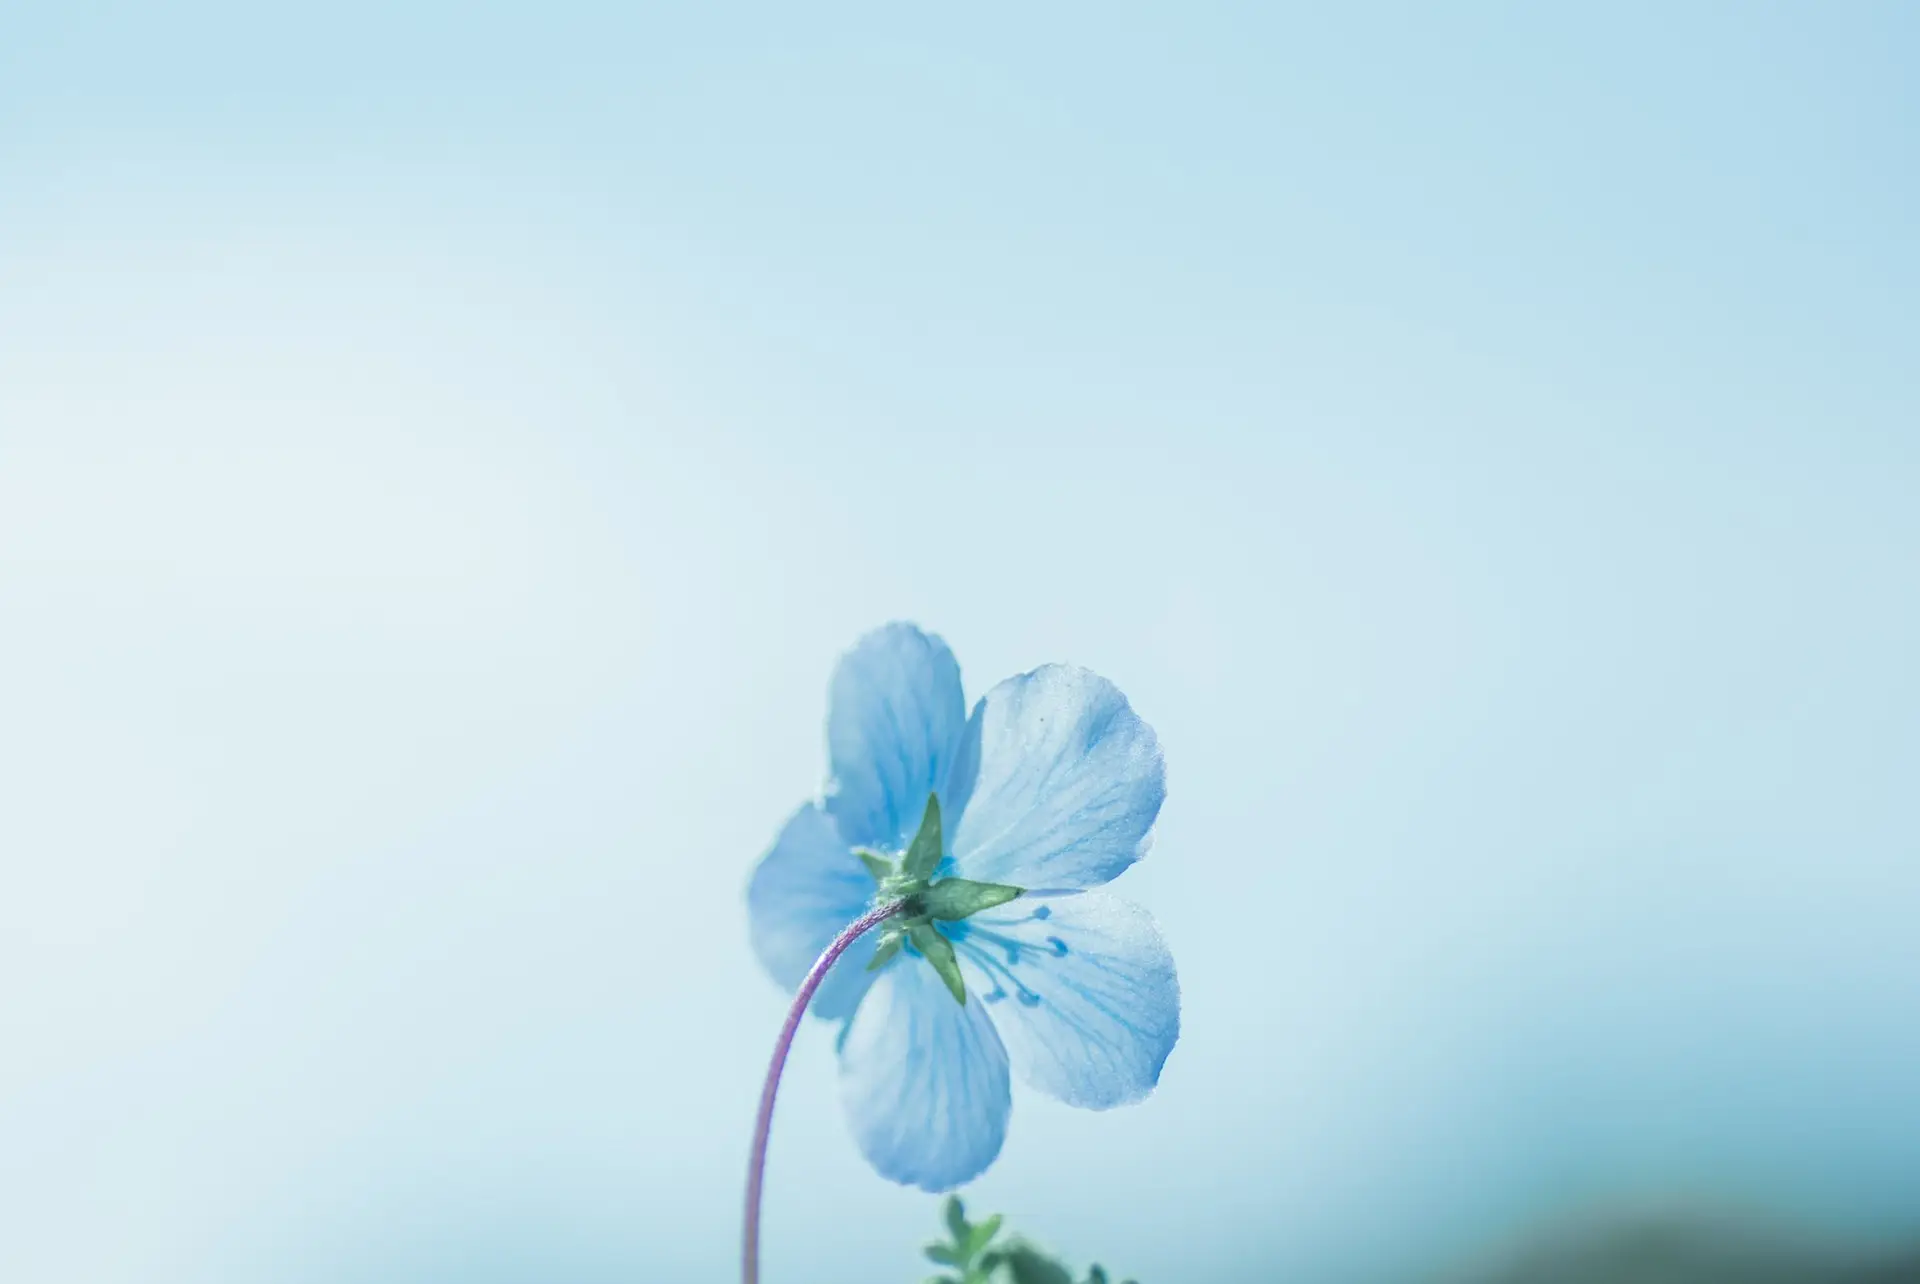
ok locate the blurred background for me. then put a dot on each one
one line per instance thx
(444, 449)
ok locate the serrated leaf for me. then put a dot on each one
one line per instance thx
(923, 854)
(938, 950)
(956, 898)
(956, 1215)
(877, 865)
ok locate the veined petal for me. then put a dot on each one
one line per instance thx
(804, 893)
(1082, 990)
(924, 1080)
(1068, 783)
(894, 718)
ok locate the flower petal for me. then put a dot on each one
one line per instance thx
(1082, 990)
(895, 714)
(803, 894)
(924, 1080)
(1068, 782)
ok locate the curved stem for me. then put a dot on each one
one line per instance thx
(763, 1125)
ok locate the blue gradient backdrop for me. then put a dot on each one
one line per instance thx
(443, 449)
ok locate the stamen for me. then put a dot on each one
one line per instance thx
(1001, 974)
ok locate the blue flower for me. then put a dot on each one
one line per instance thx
(1051, 787)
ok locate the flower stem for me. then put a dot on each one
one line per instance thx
(763, 1125)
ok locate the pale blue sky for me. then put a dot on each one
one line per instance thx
(442, 453)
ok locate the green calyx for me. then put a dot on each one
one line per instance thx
(925, 900)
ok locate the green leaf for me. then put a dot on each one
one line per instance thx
(1030, 1266)
(982, 1235)
(939, 952)
(945, 1255)
(956, 1213)
(952, 898)
(923, 854)
(1096, 1275)
(877, 865)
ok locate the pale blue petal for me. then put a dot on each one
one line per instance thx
(924, 1080)
(1068, 783)
(803, 894)
(895, 714)
(1082, 990)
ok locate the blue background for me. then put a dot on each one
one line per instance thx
(443, 450)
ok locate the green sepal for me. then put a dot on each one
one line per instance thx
(923, 854)
(955, 898)
(889, 946)
(877, 865)
(938, 950)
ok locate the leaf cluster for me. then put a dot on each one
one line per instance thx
(974, 1258)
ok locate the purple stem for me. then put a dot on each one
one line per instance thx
(763, 1125)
